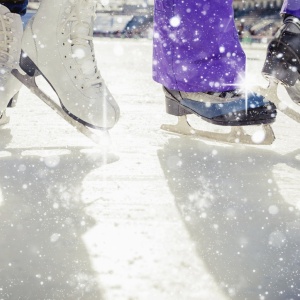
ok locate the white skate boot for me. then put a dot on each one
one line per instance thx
(11, 30)
(57, 44)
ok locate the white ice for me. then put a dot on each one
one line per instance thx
(156, 216)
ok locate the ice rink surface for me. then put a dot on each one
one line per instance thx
(155, 216)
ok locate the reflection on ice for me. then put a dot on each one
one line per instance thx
(42, 221)
(243, 226)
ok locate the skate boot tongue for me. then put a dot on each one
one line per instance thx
(6, 35)
(82, 48)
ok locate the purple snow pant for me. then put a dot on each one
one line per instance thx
(291, 7)
(196, 46)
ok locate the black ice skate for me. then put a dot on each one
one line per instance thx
(282, 65)
(226, 109)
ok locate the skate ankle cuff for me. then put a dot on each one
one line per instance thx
(292, 19)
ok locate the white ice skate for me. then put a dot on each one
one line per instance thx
(223, 109)
(58, 45)
(11, 30)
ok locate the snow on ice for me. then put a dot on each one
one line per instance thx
(153, 215)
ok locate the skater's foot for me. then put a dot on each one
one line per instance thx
(11, 30)
(230, 108)
(283, 57)
(63, 53)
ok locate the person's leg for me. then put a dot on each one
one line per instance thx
(196, 46)
(199, 61)
(11, 30)
(58, 43)
(291, 7)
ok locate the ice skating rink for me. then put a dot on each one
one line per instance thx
(155, 216)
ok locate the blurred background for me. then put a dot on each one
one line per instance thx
(256, 21)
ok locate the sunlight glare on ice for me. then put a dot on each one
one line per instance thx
(258, 136)
(273, 210)
(277, 239)
(5, 154)
(52, 161)
(118, 50)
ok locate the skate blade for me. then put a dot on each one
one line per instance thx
(237, 135)
(286, 106)
(29, 82)
(4, 119)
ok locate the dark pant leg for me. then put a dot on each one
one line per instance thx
(196, 46)
(15, 6)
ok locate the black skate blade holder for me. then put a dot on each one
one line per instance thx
(288, 106)
(30, 83)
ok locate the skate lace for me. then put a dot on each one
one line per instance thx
(6, 38)
(226, 95)
(82, 41)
